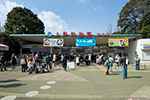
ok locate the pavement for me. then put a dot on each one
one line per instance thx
(82, 83)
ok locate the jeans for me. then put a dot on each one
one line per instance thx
(137, 67)
(81, 63)
(36, 64)
(23, 67)
(117, 64)
(12, 66)
(111, 67)
(50, 67)
(124, 71)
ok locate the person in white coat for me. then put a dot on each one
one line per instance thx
(117, 59)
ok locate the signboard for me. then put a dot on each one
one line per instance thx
(70, 65)
(85, 42)
(53, 42)
(81, 34)
(146, 46)
(39, 48)
(118, 42)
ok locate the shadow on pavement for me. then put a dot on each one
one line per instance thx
(12, 85)
(115, 73)
(134, 77)
(10, 80)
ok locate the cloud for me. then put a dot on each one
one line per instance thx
(84, 1)
(97, 8)
(5, 7)
(53, 22)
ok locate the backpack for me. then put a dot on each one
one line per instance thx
(48, 59)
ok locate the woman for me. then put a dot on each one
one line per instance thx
(23, 64)
(106, 64)
(77, 60)
(13, 61)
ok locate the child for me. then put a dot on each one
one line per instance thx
(43, 67)
(30, 66)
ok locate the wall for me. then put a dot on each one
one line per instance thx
(136, 46)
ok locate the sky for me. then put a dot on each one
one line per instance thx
(70, 15)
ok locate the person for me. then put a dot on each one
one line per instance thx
(54, 59)
(16, 59)
(30, 66)
(124, 66)
(81, 60)
(77, 60)
(117, 59)
(3, 60)
(36, 58)
(48, 59)
(89, 59)
(27, 58)
(111, 63)
(137, 62)
(13, 61)
(65, 63)
(62, 57)
(107, 65)
(23, 64)
(102, 59)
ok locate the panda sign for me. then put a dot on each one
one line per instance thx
(53, 42)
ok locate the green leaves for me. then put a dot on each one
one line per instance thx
(14, 44)
(132, 17)
(22, 20)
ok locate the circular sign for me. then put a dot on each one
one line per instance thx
(59, 42)
(49, 34)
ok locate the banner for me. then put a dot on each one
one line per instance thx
(118, 42)
(53, 42)
(85, 43)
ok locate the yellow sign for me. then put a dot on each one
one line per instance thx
(113, 42)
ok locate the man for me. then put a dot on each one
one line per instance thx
(117, 59)
(124, 66)
(137, 62)
(48, 59)
(111, 62)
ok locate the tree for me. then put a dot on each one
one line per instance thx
(145, 26)
(22, 20)
(14, 44)
(109, 27)
(131, 15)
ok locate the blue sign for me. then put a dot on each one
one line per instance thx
(85, 43)
(49, 34)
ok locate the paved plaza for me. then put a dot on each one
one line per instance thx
(83, 83)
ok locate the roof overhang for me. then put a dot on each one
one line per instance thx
(70, 41)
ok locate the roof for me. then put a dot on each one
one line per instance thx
(70, 41)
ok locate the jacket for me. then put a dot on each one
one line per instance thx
(137, 60)
(123, 61)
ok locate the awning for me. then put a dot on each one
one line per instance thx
(4, 47)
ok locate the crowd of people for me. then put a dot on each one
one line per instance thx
(38, 62)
